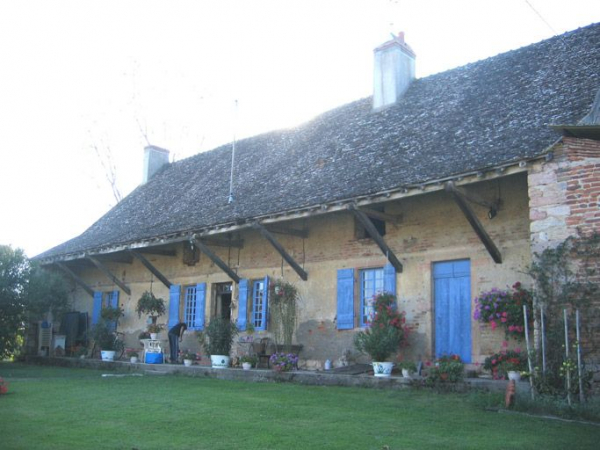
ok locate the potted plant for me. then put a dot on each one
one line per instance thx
(384, 335)
(154, 329)
(143, 335)
(217, 340)
(112, 314)
(446, 368)
(188, 357)
(408, 368)
(248, 361)
(151, 305)
(284, 362)
(505, 361)
(132, 354)
(106, 339)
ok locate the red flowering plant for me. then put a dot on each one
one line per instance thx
(504, 308)
(446, 368)
(386, 331)
(505, 361)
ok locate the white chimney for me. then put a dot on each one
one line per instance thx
(394, 71)
(154, 159)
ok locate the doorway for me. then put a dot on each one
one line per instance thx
(223, 300)
(452, 302)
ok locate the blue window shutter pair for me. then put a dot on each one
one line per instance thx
(242, 305)
(174, 294)
(200, 306)
(97, 307)
(345, 294)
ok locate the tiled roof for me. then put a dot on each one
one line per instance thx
(478, 116)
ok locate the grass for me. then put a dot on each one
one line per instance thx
(59, 408)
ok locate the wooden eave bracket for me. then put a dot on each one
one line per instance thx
(461, 200)
(285, 255)
(109, 274)
(75, 278)
(370, 228)
(218, 261)
(151, 268)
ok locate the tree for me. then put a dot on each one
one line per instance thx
(27, 292)
(14, 275)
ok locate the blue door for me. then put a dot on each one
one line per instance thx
(452, 293)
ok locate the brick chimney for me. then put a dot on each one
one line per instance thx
(394, 71)
(154, 159)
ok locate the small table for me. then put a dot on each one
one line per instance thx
(152, 347)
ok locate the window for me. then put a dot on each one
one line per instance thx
(371, 283)
(192, 310)
(359, 230)
(104, 300)
(253, 304)
(355, 289)
(259, 304)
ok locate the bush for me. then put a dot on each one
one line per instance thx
(283, 362)
(218, 337)
(447, 368)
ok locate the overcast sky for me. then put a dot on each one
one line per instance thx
(113, 75)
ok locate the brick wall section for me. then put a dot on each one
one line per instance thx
(564, 193)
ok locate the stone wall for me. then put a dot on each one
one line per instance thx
(432, 229)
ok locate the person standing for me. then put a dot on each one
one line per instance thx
(175, 337)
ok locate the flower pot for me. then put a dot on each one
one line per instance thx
(246, 366)
(383, 369)
(513, 375)
(187, 362)
(133, 359)
(107, 355)
(154, 336)
(406, 373)
(219, 361)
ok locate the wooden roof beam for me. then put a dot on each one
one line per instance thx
(217, 242)
(109, 274)
(485, 238)
(285, 255)
(368, 225)
(141, 258)
(75, 278)
(282, 229)
(218, 261)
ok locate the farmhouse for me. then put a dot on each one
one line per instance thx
(434, 188)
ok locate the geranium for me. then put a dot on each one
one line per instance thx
(505, 361)
(446, 368)
(187, 354)
(284, 362)
(498, 307)
(132, 353)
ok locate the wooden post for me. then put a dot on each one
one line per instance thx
(579, 370)
(567, 357)
(529, 363)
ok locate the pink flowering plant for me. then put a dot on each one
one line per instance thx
(3, 386)
(499, 364)
(447, 368)
(284, 362)
(504, 308)
(386, 330)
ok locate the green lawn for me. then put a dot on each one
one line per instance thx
(56, 408)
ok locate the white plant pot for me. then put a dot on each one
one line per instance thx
(406, 373)
(107, 355)
(133, 359)
(512, 375)
(219, 361)
(187, 362)
(246, 366)
(154, 336)
(383, 369)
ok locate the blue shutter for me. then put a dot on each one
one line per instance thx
(265, 307)
(97, 307)
(389, 279)
(113, 302)
(345, 299)
(200, 306)
(174, 292)
(242, 304)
